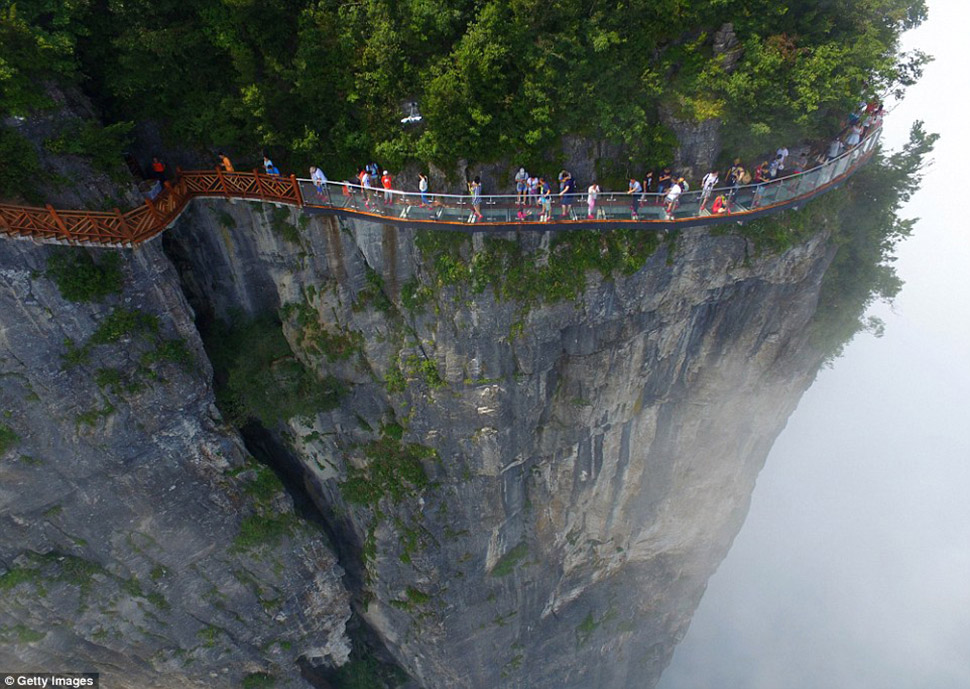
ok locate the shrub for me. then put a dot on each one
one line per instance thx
(79, 278)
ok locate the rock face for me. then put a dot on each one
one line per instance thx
(523, 494)
(130, 514)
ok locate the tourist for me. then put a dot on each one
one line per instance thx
(663, 182)
(567, 188)
(348, 192)
(475, 189)
(521, 186)
(707, 186)
(158, 169)
(270, 168)
(671, 199)
(366, 184)
(720, 206)
(591, 194)
(225, 163)
(735, 177)
(318, 178)
(835, 149)
(783, 154)
(545, 200)
(387, 183)
(854, 137)
(423, 188)
(532, 189)
(647, 185)
(635, 190)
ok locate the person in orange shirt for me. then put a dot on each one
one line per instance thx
(386, 183)
(225, 162)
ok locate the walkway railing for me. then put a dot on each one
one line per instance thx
(612, 209)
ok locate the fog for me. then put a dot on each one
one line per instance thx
(853, 567)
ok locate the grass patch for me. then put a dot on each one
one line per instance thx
(7, 438)
(80, 279)
(258, 680)
(173, 350)
(259, 530)
(20, 634)
(508, 562)
(124, 323)
(531, 278)
(279, 222)
(316, 339)
(394, 469)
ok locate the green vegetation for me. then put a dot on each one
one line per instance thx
(258, 680)
(21, 173)
(532, 278)
(374, 294)
(266, 527)
(123, 322)
(79, 278)
(101, 145)
(315, 338)
(258, 377)
(7, 438)
(364, 671)
(52, 567)
(508, 562)
(279, 222)
(493, 78)
(585, 629)
(394, 469)
(20, 634)
(869, 230)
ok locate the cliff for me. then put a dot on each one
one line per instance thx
(526, 491)
(139, 538)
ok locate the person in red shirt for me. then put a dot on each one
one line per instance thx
(386, 183)
(158, 169)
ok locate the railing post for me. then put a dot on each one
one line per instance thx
(126, 228)
(154, 212)
(57, 221)
(222, 182)
(297, 192)
(259, 186)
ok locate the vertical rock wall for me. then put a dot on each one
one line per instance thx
(129, 513)
(582, 466)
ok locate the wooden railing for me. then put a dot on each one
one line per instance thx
(115, 228)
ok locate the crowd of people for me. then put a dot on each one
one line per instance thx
(534, 194)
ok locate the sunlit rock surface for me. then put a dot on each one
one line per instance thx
(589, 462)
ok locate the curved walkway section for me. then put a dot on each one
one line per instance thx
(612, 209)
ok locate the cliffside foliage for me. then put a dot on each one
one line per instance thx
(869, 230)
(325, 82)
(258, 377)
(863, 217)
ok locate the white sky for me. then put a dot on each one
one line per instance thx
(853, 568)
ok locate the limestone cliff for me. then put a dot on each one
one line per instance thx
(526, 492)
(137, 536)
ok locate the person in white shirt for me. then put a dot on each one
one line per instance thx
(783, 154)
(707, 186)
(591, 194)
(521, 186)
(673, 193)
(318, 178)
(635, 190)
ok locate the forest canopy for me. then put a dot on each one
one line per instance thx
(326, 81)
